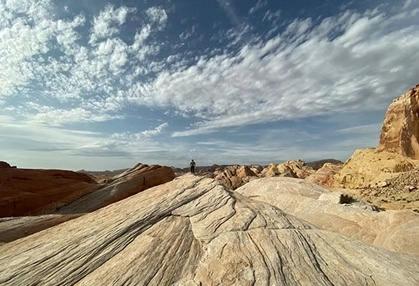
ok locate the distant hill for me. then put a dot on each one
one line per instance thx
(319, 163)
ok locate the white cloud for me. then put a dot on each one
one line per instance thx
(155, 131)
(44, 57)
(362, 129)
(56, 117)
(158, 16)
(107, 23)
(133, 138)
(345, 63)
(351, 61)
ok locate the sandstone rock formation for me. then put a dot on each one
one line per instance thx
(368, 167)
(28, 191)
(13, 228)
(192, 231)
(33, 192)
(393, 230)
(325, 175)
(130, 182)
(233, 177)
(293, 168)
(400, 131)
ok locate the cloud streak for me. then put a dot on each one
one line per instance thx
(343, 63)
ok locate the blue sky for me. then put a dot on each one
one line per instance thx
(106, 84)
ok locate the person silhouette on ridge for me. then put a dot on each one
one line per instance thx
(193, 166)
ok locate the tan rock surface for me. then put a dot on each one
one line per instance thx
(393, 230)
(192, 231)
(128, 183)
(325, 175)
(17, 227)
(233, 177)
(400, 192)
(293, 168)
(400, 131)
(368, 167)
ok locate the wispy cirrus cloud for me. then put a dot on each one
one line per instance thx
(345, 62)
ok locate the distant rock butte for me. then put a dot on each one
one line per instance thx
(32, 192)
(192, 231)
(400, 131)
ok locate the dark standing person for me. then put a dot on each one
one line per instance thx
(193, 166)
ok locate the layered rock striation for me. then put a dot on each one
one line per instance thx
(192, 231)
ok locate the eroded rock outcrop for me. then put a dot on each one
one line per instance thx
(368, 167)
(400, 131)
(393, 230)
(233, 177)
(192, 231)
(293, 168)
(325, 175)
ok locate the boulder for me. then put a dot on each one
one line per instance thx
(400, 131)
(192, 231)
(368, 167)
(392, 230)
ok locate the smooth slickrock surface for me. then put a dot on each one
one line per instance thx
(16, 227)
(67, 195)
(393, 230)
(400, 131)
(191, 231)
(132, 181)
